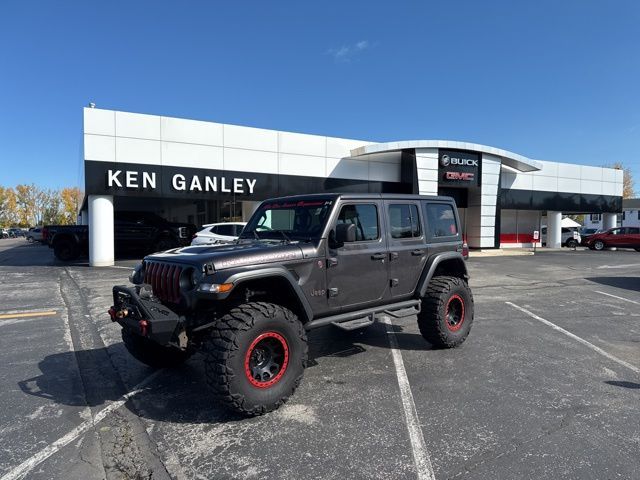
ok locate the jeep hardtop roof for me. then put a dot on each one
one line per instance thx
(366, 196)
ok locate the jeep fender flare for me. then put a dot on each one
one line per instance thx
(242, 277)
(432, 265)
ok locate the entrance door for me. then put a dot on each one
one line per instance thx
(357, 271)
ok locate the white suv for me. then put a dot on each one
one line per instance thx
(218, 233)
(566, 239)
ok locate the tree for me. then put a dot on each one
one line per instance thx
(27, 198)
(8, 207)
(71, 198)
(628, 184)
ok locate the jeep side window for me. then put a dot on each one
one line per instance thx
(404, 221)
(364, 217)
(441, 220)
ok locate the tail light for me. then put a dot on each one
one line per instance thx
(45, 233)
(465, 251)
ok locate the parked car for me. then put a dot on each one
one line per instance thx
(133, 232)
(16, 232)
(218, 233)
(4, 233)
(621, 237)
(34, 234)
(300, 263)
(585, 233)
(567, 238)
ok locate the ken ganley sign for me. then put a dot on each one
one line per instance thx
(179, 182)
(459, 168)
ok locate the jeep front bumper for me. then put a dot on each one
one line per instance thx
(135, 309)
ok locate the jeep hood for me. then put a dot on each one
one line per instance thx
(232, 254)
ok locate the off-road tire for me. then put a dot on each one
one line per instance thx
(66, 250)
(599, 245)
(229, 348)
(151, 353)
(442, 294)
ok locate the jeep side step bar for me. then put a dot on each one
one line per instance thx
(363, 318)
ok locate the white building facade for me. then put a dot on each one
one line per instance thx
(630, 216)
(204, 172)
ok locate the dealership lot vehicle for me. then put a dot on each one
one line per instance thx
(621, 237)
(520, 399)
(133, 232)
(218, 233)
(34, 234)
(585, 233)
(568, 239)
(247, 305)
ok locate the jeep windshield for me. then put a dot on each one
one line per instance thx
(289, 220)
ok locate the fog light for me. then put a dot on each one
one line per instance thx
(215, 287)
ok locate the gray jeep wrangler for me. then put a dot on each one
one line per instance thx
(300, 263)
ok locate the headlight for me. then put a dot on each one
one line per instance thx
(137, 274)
(195, 278)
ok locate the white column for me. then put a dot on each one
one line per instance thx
(554, 229)
(609, 220)
(427, 167)
(100, 230)
(247, 209)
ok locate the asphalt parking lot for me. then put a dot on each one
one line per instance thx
(546, 386)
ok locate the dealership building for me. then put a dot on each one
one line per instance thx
(204, 172)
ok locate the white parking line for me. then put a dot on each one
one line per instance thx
(418, 445)
(25, 467)
(619, 298)
(577, 338)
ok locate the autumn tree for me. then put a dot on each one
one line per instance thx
(628, 184)
(8, 207)
(71, 198)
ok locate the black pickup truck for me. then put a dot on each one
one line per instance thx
(300, 263)
(143, 232)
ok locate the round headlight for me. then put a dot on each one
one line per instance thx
(195, 277)
(137, 274)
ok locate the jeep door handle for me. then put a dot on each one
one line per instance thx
(378, 256)
(417, 253)
(393, 255)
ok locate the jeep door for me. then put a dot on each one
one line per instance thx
(407, 248)
(357, 271)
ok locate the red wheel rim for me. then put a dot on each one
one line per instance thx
(454, 313)
(266, 360)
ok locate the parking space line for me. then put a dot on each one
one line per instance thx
(418, 445)
(45, 313)
(577, 338)
(25, 467)
(619, 298)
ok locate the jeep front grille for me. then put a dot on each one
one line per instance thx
(164, 279)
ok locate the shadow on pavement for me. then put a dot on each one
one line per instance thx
(626, 283)
(623, 384)
(178, 394)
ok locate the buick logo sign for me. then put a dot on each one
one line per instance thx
(446, 160)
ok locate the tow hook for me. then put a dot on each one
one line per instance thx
(118, 314)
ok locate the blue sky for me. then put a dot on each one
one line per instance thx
(551, 80)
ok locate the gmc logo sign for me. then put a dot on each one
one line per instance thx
(464, 176)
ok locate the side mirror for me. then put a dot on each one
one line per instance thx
(345, 232)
